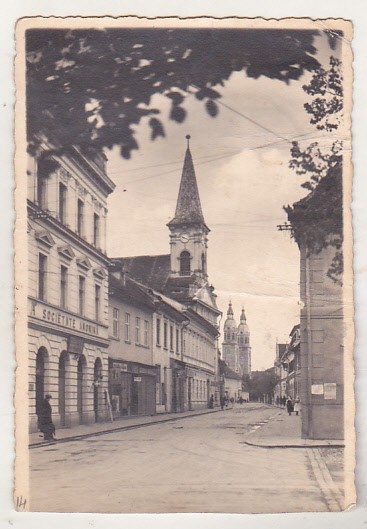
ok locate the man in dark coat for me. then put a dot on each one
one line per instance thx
(45, 420)
(289, 406)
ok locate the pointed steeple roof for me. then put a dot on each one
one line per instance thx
(188, 208)
(243, 315)
(230, 310)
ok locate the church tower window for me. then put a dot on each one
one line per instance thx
(185, 268)
(203, 263)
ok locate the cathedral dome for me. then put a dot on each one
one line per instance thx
(230, 323)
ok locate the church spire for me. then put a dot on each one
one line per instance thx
(230, 310)
(188, 208)
(243, 315)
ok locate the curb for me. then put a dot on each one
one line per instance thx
(113, 430)
(290, 445)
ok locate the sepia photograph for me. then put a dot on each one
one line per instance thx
(183, 266)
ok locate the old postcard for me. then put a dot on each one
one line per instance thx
(184, 308)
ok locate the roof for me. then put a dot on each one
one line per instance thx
(151, 270)
(227, 371)
(188, 208)
(130, 292)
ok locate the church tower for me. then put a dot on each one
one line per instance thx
(243, 334)
(230, 350)
(188, 281)
(188, 229)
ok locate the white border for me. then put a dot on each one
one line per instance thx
(355, 10)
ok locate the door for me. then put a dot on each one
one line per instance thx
(40, 380)
(62, 383)
(80, 383)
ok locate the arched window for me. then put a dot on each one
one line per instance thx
(185, 263)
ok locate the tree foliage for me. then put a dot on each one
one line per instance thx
(93, 87)
(317, 220)
(260, 383)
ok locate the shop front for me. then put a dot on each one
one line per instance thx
(132, 388)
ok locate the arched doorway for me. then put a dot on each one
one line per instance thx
(62, 386)
(40, 378)
(80, 387)
(96, 386)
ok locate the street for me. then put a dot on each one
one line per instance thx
(199, 464)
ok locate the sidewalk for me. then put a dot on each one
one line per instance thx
(284, 431)
(124, 423)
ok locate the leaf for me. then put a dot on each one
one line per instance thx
(157, 128)
(212, 108)
(178, 114)
(176, 97)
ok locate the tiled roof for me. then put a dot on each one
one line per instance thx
(150, 270)
(227, 371)
(130, 292)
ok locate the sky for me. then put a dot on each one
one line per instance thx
(244, 181)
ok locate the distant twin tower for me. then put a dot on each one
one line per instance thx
(236, 350)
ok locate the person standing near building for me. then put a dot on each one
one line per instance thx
(289, 406)
(45, 420)
(297, 405)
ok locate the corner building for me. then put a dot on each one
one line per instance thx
(68, 285)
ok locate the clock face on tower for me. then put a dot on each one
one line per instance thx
(184, 238)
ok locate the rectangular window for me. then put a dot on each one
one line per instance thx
(171, 337)
(127, 327)
(115, 323)
(137, 330)
(177, 340)
(146, 333)
(81, 295)
(97, 301)
(62, 202)
(165, 328)
(158, 331)
(80, 218)
(42, 271)
(41, 191)
(63, 287)
(95, 229)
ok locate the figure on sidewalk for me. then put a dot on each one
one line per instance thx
(284, 400)
(297, 405)
(46, 425)
(211, 402)
(222, 402)
(289, 406)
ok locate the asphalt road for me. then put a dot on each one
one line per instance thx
(200, 464)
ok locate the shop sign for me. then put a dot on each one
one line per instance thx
(137, 379)
(121, 367)
(75, 345)
(42, 312)
(317, 389)
(330, 391)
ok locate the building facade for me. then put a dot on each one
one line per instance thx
(68, 285)
(132, 373)
(322, 329)
(185, 322)
(236, 350)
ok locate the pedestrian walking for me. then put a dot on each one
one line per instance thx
(45, 420)
(297, 405)
(289, 406)
(284, 400)
(211, 402)
(222, 402)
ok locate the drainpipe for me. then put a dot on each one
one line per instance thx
(309, 345)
